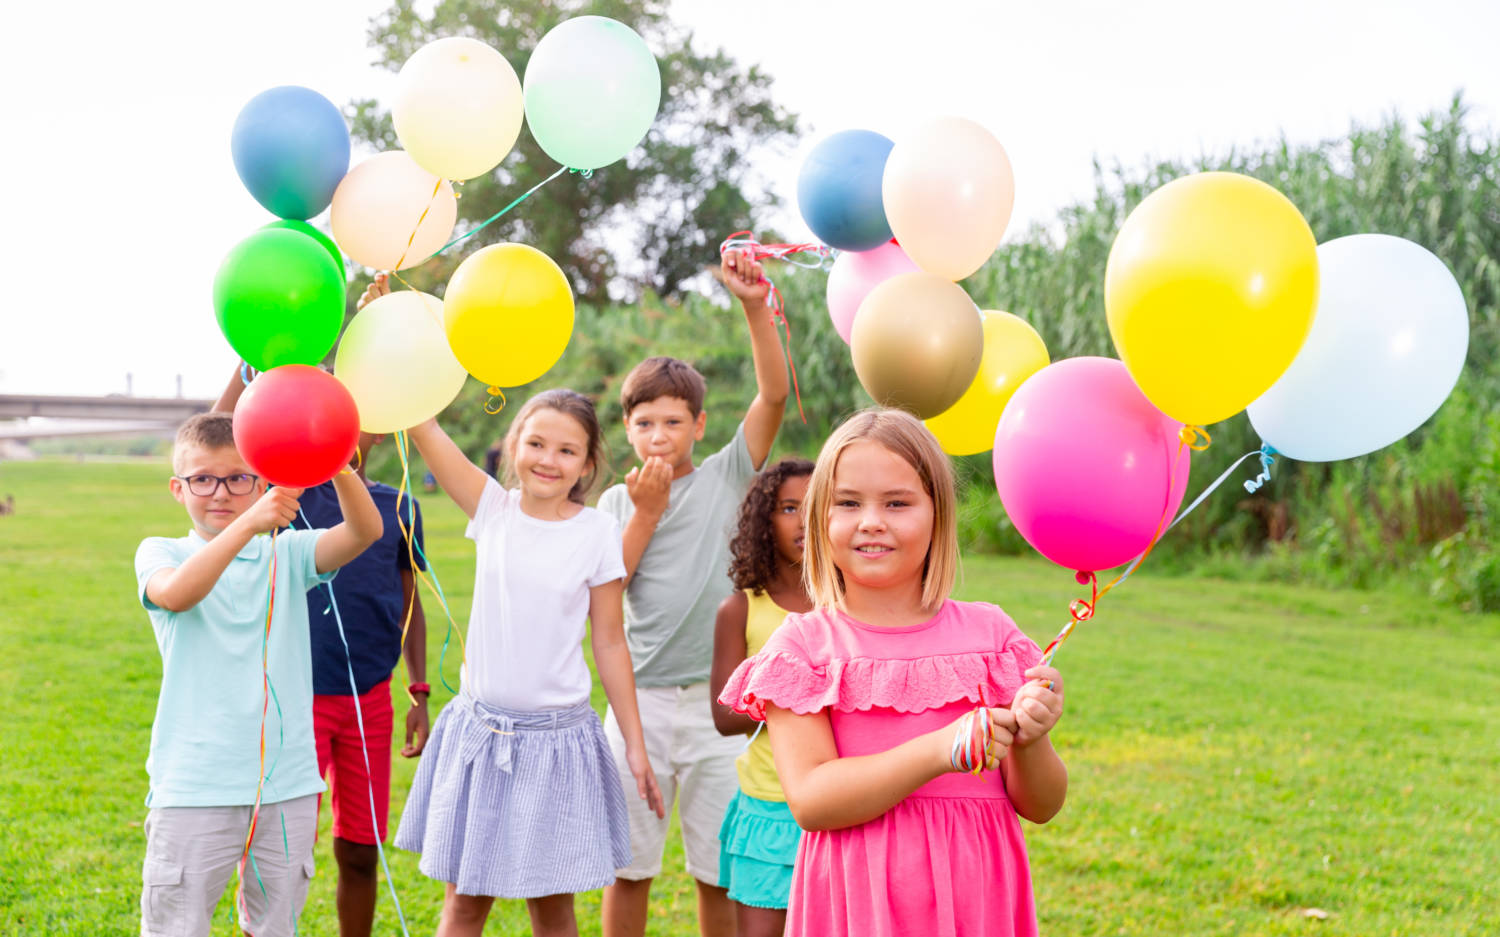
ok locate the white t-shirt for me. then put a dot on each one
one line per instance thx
(531, 600)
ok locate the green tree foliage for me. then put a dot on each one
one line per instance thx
(649, 221)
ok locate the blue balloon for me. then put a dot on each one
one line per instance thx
(838, 190)
(291, 149)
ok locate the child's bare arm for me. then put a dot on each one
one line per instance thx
(612, 659)
(826, 792)
(746, 280)
(463, 480)
(1036, 780)
(179, 588)
(729, 651)
(361, 526)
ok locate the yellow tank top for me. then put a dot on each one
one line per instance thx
(756, 768)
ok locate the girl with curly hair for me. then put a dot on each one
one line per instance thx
(758, 840)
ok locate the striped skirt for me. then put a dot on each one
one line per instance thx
(517, 804)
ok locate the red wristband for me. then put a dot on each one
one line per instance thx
(419, 688)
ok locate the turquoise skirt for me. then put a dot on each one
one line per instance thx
(757, 850)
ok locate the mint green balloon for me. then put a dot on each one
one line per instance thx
(279, 299)
(313, 233)
(592, 89)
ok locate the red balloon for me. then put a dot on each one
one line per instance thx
(296, 425)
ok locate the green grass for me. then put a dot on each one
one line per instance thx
(1239, 753)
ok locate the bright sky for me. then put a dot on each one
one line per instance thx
(122, 198)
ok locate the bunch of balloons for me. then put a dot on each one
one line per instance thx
(910, 218)
(591, 91)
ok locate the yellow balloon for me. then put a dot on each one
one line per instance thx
(1210, 291)
(457, 107)
(1012, 353)
(509, 313)
(395, 360)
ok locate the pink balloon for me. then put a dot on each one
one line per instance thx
(1083, 464)
(854, 274)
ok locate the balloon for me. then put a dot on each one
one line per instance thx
(508, 312)
(296, 425)
(917, 343)
(838, 190)
(315, 234)
(1012, 353)
(592, 89)
(291, 147)
(1209, 291)
(377, 207)
(854, 274)
(279, 299)
(948, 192)
(1384, 352)
(457, 107)
(1085, 465)
(395, 360)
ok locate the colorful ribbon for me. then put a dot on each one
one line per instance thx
(414, 550)
(745, 241)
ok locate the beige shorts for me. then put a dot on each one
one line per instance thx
(690, 758)
(191, 852)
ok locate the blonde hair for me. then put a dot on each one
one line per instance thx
(212, 430)
(905, 436)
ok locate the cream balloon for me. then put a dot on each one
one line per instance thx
(381, 202)
(395, 360)
(948, 192)
(457, 107)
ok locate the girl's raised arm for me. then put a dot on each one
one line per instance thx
(461, 479)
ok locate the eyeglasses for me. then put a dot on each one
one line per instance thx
(206, 486)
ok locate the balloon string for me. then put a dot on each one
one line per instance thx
(586, 173)
(438, 187)
(745, 241)
(265, 705)
(490, 406)
(1268, 456)
(414, 550)
(1191, 437)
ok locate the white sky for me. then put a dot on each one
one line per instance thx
(121, 197)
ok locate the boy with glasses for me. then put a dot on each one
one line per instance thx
(235, 664)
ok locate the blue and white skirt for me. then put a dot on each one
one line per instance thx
(517, 804)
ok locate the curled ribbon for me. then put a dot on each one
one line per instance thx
(745, 241)
(1267, 459)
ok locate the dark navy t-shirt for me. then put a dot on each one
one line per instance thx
(368, 590)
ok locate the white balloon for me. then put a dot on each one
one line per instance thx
(395, 360)
(1386, 347)
(457, 108)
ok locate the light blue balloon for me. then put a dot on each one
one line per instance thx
(291, 148)
(1386, 347)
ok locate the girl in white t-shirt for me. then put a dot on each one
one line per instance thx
(517, 795)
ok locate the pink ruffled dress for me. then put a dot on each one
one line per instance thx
(950, 859)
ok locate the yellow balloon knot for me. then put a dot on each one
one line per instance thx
(1195, 438)
(496, 403)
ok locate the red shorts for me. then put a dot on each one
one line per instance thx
(341, 760)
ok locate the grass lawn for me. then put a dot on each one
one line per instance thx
(1244, 759)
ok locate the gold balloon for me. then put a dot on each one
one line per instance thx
(1012, 353)
(508, 312)
(916, 343)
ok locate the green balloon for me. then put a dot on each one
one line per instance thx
(279, 299)
(592, 89)
(313, 233)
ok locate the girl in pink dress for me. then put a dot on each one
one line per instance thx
(880, 698)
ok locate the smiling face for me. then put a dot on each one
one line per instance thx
(551, 454)
(879, 521)
(211, 514)
(666, 428)
(787, 519)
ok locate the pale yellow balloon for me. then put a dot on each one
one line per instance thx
(917, 343)
(395, 360)
(948, 191)
(457, 107)
(1012, 353)
(390, 214)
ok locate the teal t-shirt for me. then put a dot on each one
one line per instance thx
(205, 740)
(674, 596)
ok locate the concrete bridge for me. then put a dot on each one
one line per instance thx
(93, 416)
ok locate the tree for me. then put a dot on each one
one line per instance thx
(652, 220)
